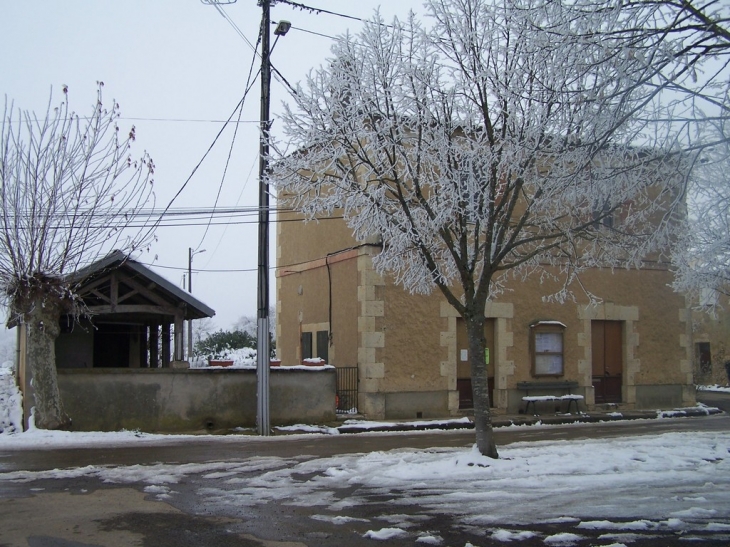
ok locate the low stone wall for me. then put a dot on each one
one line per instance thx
(192, 400)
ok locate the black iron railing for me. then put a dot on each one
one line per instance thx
(346, 390)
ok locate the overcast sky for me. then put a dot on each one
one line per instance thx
(177, 68)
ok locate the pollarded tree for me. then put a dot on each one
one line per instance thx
(499, 142)
(71, 192)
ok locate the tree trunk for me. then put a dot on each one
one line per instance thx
(43, 327)
(480, 387)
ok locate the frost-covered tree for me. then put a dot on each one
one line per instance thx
(499, 142)
(248, 323)
(688, 44)
(71, 192)
(702, 253)
(699, 109)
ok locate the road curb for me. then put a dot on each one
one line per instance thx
(508, 421)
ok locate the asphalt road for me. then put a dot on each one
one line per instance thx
(714, 398)
(211, 449)
(86, 511)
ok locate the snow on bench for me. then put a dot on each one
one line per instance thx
(563, 385)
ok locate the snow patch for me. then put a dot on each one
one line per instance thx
(338, 519)
(303, 428)
(509, 535)
(608, 525)
(385, 533)
(11, 403)
(564, 538)
(430, 539)
(695, 512)
(623, 539)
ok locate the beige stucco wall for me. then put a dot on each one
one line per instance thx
(406, 344)
(303, 306)
(712, 326)
(306, 241)
(415, 342)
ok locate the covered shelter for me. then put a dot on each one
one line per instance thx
(121, 365)
(134, 318)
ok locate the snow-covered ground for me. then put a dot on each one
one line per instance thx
(650, 484)
(667, 483)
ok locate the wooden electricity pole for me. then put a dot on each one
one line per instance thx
(262, 323)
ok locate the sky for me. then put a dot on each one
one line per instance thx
(177, 68)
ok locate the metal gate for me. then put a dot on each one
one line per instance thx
(346, 390)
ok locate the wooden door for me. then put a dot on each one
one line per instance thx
(607, 352)
(463, 365)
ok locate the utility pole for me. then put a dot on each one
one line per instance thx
(191, 254)
(190, 290)
(262, 323)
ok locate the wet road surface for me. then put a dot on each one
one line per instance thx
(86, 511)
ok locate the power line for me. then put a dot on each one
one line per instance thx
(315, 33)
(195, 169)
(184, 120)
(235, 27)
(239, 105)
(248, 86)
(317, 11)
(283, 80)
(225, 16)
(200, 270)
(234, 270)
(203, 221)
(240, 195)
(171, 212)
(144, 119)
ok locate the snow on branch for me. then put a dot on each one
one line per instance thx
(502, 139)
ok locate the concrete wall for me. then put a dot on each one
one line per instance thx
(189, 400)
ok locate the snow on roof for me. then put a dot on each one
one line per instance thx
(554, 323)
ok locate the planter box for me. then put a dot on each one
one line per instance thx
(314, 362)
(220, 362)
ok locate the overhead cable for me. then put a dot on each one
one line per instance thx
(248, 86)
(317, 11)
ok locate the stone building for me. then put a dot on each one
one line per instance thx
(632, 351)
(711, 340)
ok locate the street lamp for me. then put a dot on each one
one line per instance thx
(282, 27)
(191, 254)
